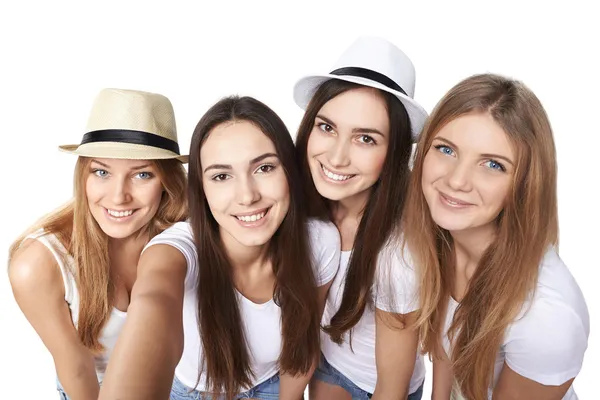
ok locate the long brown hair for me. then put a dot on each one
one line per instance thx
(382, 212)
(226, 358)
(507, 272)
(77, 230)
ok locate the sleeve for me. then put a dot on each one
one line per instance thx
(547, 344)
(180, 237)
(395, 288)
(325, 245)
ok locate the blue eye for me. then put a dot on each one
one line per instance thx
(145, 175)
(444, 149)
(100, 173)
(495, 165)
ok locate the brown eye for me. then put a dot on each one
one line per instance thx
(325, 127)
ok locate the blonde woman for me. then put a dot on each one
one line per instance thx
(481, 222)
(73, 272)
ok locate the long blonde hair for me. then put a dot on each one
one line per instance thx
(75, 227)
(508, 270)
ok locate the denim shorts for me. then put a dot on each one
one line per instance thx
(267, 390)
(327, 373)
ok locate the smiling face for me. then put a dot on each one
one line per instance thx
(348, 144)
(244, 183)
(123, 195)
(467, 173)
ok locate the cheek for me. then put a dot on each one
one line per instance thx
(316, 145)
(434, 168)
(93, 190)
(370, 161)
(278, 189)
(496, 193)
(216, 197)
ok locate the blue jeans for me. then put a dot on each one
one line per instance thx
(267, 390)
(327, 373)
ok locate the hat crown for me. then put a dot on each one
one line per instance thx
(382, 56)
(122, 109)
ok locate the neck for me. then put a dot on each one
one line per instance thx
(351, 207)
(241, 256)
(469, 246)
(126, 252)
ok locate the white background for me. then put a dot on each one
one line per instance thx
(55, 56)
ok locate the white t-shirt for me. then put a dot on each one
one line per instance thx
(547, 341)
(262, 322)
(113, 327)
(395, 290)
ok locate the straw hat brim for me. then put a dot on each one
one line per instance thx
(126, 151)
(306, 87)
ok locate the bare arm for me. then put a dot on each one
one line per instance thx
(38, 288)
(395, 354)
(292, 387)
(143, 362)
(512, 386)
(442, 379)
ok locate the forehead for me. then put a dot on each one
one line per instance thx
(117, 163)
(235, 143)
(357, 108)
(478, 133)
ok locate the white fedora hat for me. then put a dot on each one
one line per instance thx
(374, 62)
(129, 124)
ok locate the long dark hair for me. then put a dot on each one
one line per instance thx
(226, 358)
(382, 212)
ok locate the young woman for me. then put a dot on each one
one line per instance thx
(73, 272)
(354, 144)
(256, 271)
(481, 221)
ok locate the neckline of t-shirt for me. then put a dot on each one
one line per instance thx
(253, 304)
(118, 312)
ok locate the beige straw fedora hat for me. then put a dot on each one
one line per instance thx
(375, 62)
(129, 124)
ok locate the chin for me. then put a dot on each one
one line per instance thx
(450, 223)
(253, 240)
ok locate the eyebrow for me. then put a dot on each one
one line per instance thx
(486, 155)
(132, 169)
(251, 162)
(355, 130)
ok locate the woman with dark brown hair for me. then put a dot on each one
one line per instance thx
(354, 145)
(501, 314)
(256, 271)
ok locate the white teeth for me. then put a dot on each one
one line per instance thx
(252, 218)
(333, 176)
(120, 214)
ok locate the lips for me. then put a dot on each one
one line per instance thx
(335, 176)
(453, 201)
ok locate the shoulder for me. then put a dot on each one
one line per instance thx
(552, 329)
(323, 232)
(179, 235)
(557, 297)
(32, 268)
(182, 230)
(172, 247)
(325, 246)
(395, 259)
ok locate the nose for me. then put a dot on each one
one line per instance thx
(247, 191)
(459, 177)
(339, 153)
(120, 191)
